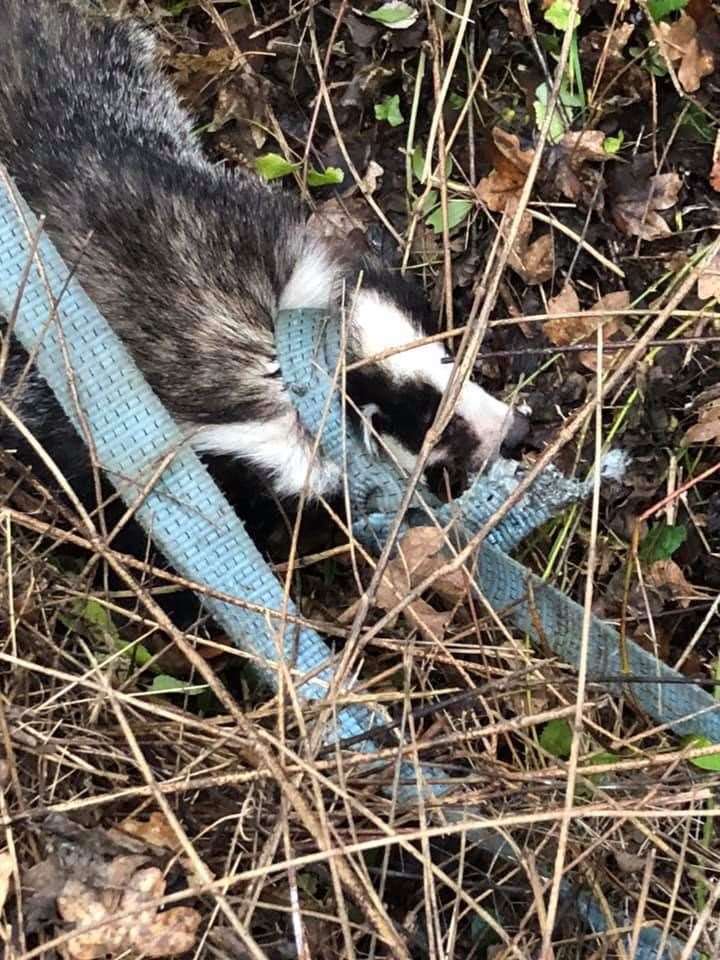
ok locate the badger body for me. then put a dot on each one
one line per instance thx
(189, 261)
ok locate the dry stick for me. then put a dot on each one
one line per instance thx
(219, 20)
(318, 100)
(702, 921)
(633, 560)
(214, 782)
(442, 155)
(260, 755)
(546, 951)
(361, 185)
(279, 23)
(65, 536)
(464, 19)
(14, 778)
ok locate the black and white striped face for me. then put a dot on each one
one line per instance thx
(401, 393)
(398, 395)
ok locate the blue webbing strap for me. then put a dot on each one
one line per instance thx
(535, 606)
(185, 512)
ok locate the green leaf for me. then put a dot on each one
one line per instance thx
(456, 213)
(430, 202)
(164, 683)
(556, 738)
(456, 100)
(95, 614)
(417, 161)
(611, 145)
(396, 14)
(177, 7)
(559, 14)
(481, 933)
(661, 542)
(660, 9)
(328, 176)
(558, 124)
(271, 166)
(308, 883)
(389, 109)
(711, 762)
(100, 627)
(696, 124)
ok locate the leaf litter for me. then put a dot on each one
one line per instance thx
(91, 877)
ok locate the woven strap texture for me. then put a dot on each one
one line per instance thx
(185, 512)
(307, 340)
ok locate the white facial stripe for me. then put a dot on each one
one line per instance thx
(381, 326)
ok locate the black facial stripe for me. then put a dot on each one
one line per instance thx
(459, 441)
(407, 411)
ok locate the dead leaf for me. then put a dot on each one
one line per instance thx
(156, 831)
(680, 44)
(343, 221)
(714, 176)
(240, 97)
(566, 329)
(566, 171)
(583, 145)
(612, 325)
(638, 196)
(366, 85)
(369, 183)
(668, 575)
(500, 191)
(195, 74)
(156, 935)
(707, 428)
(533, 261)
(6, 871)
(617, 39)
(171, 933)
(601, 53)
(708, 285)
(505, 181)
(420, 554)
(629, 862)
(582, 326)
(516, 25)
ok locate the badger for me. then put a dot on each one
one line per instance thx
(190, 260)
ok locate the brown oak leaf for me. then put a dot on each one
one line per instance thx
(638, 196)
(681, 44)
(569, 327)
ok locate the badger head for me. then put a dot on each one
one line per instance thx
(400, 392)
(398, 395)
